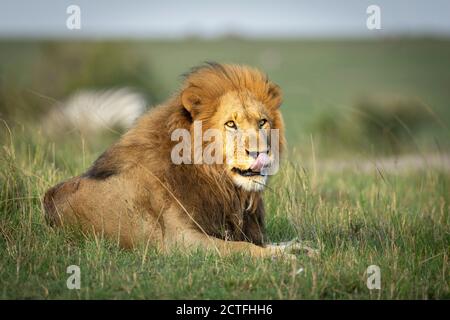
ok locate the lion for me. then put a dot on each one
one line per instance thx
(134, 193)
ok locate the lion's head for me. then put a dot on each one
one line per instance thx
(241, 104)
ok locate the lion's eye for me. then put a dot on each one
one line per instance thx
(262, 122)
(231, 124)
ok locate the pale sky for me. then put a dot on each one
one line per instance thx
(202, 18)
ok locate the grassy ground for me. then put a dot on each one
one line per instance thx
(398, 221)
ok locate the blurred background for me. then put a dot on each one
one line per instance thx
(348, 88)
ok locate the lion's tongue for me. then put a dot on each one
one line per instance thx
(260, 162)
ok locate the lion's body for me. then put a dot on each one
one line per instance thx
(134, 192)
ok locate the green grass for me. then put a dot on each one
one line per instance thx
(398, 221)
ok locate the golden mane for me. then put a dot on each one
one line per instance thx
(212, 80)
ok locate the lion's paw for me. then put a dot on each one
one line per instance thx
(295, 247)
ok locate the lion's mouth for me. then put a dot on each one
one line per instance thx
(247, 172)
(260, 163)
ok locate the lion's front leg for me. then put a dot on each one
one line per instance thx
(183, 233)
(192, 239)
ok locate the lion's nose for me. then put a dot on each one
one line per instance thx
(256, 153)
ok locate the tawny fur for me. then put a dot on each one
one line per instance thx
(134, 193)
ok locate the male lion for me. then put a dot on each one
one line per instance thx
(136, 194)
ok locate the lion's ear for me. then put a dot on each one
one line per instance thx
(191, 100)
(274, 96)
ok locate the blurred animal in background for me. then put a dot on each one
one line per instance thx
(94, 111)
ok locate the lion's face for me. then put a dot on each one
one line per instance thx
(247, 147)
(242, 103)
